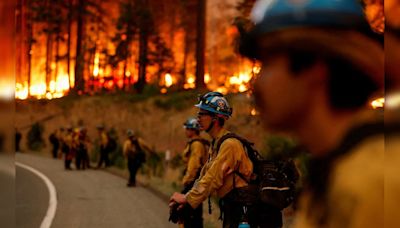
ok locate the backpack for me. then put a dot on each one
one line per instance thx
(140, 154)
(275, 180)
(111, 144)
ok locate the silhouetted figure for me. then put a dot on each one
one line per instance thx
(53, 138)
(18, 137)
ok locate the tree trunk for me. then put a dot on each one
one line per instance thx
(57, 57)
(69, 25)
(200, 44)
(29, 53)
(19, 35)
(49, 55)
(124, 84)
(79, 62)
(184, 62)
(143, 40)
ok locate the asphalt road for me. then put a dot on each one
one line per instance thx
(7, 191)
(89, 198)
(32, 199)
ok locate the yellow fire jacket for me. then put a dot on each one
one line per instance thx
(217, 175)
(130, 150)
(195, 156)
(356, 190)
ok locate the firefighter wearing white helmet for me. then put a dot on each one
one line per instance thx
(195, 156)
(321, 64)
(218, 175)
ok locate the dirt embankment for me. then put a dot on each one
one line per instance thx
(157, 119)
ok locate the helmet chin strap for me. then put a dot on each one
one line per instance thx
(211, 125)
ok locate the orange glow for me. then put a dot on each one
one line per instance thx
(374, 11)
(253, 112)
(378, 103)
(393, 100)
(96, 64)
(6, 90)
(168, 80)
(38, 89)
(190, 82)
(207, 78)
(163, 90)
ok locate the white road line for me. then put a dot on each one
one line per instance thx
(51, 210)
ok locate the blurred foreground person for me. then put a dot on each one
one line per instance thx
(195, 156)
(321, 64)
(134, 150)
(392, 112)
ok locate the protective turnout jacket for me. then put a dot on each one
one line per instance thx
(355, 190)
(195, 156)
(217, 176)
(130, 151)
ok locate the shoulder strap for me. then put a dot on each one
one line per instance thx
(203, 141)
(246, 144)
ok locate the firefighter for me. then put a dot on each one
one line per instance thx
(195, 156)
(321, 64)
(134, 150)
(66, 147)
(218, 175)
(82, 153)
(392, 112)
(104, 147)
(55, 142)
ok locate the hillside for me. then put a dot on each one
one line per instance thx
(158, 119)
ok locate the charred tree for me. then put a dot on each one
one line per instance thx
(200, 44)
(69, 32)
(80, 58)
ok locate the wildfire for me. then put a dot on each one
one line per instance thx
(240, 82)
(378, 103)
(96, 64)
(6, 90)
(253, 112)
(57, 88)
(168, 80)
(190, 82)
(61, 84)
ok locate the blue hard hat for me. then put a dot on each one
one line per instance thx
(271, 16)
(191, 123)
(336, 28)
(215, 102)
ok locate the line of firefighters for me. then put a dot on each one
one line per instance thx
(74, 143)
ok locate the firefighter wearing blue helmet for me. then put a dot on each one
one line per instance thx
(195, 156)
(321, 64)
(218, 174)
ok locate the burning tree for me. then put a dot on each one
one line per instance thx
(108, 45)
